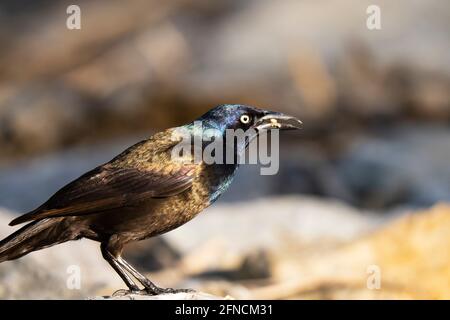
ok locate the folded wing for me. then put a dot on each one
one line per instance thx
(107, 187)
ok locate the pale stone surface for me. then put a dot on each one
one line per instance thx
(175, 296)
(221, 237)
(44, 274)
(408, 257)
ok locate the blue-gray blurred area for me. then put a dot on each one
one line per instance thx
(375, 103)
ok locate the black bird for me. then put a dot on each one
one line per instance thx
(141, 193)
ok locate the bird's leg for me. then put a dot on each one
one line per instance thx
(113, 261)
(149, 286)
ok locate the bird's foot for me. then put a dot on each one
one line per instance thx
(153, 291)
(157, 290)
(125, 292)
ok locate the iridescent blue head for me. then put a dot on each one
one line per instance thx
(217, 121)
(237, 116)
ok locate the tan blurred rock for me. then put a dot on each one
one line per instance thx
(413, 253)
(431, 96)
(313, 82)
(410, 254)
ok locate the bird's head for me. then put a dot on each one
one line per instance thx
(231, 128)
(236, 116)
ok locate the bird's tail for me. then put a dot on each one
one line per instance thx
(33, 236)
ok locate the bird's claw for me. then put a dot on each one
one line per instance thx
(125, 292)
(153, 291)
(157, 290)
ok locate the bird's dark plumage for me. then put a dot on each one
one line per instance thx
(143, 192)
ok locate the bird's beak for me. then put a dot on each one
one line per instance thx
(277, 120)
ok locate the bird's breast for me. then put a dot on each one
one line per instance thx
(213, 181)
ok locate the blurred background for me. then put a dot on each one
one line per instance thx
(357, 209)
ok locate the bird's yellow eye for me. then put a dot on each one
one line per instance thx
(245, 118)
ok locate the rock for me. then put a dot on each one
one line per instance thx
(406, 165)
(255, 265)
(219, 248)
(278, 219)
(49, 273)
(308, 249)
(406, 259)
(203, 246)
(152, 254)
(175, 296)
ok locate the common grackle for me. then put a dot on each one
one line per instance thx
(141, 193)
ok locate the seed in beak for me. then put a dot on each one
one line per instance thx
(274, 123)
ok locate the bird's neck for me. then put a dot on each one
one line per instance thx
(218, 178)
(214, 143)
(223, 157)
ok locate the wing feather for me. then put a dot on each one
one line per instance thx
(107, 188)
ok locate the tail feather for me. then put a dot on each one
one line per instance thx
(33, 236)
